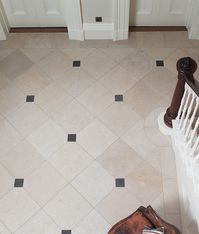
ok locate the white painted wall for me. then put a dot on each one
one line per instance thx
(4, 25)
(93, 8)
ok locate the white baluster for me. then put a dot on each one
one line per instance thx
(184, 110)
(182, 103)
(192, 119)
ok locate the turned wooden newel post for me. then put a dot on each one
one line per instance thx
(186, 68)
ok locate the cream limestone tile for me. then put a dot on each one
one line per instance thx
(48, 138)
(32, 81)
(78, 53)
(94, 183)
(119, 118)
(171, 61)
(95, 43)
(44, 183)
(96, 98)
(5, 52)
(38, 40)
(97, 64)
(15, 64)
(151, 121)
(35, 55)
(171, 199)
(68, 208)
(119, 204)
(158, 205)
(176, 40)
(72, 117)
(55, 65)
(130, 43)
(77, 160)
(76, 81)
(52, 98)
(27, 118)
(93, 223)
(11, 98)
(175, 220)
(13, 41)
(16, 208)
(168, 163)
(118, 54)
(119, 159)
(137, 139)
(155, 159)
(149, 39)
(6, 181)
(142, 98)
(41, 223)
(157, 138)
(3, 229)
(145, 182)
(96, 138)
(138, 64)
(4, 82)
(159, 53)
(61, 41)
(118, 80)
(9, 137)
(22, 159)
(160, 80)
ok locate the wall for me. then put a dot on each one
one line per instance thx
(4, 25)
(93, 8)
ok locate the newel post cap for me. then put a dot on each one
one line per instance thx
(186, 66)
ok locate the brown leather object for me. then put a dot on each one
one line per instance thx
(141, 218)
(157, 221)
(133, 224)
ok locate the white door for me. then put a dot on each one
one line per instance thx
(36, 13)
(158, 12)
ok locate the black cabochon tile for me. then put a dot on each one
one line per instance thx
(119, 98)
(30, 98)
(120, 182)
(160, 63)
(72, 137)
(76, 63)
(66, 232)
(19, 183)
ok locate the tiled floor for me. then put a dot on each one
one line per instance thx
(79, 141)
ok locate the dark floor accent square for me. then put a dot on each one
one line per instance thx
(120, 182)
(71, 137)
(19, 183)
(76, 63)
(119, 98)
(66, 232)
(160, 63)
(30, 98)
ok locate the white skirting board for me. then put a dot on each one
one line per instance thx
(100, 31)
(2, 34)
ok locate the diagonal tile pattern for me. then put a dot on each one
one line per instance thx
(70, 187)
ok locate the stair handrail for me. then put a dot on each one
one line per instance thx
(186, 68)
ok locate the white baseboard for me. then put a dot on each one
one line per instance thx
(76, 35)
(193, 33)
(120, 35)
(98, 31)
(2, 34)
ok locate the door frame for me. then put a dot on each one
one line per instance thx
(117, 30)
(4, 25)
